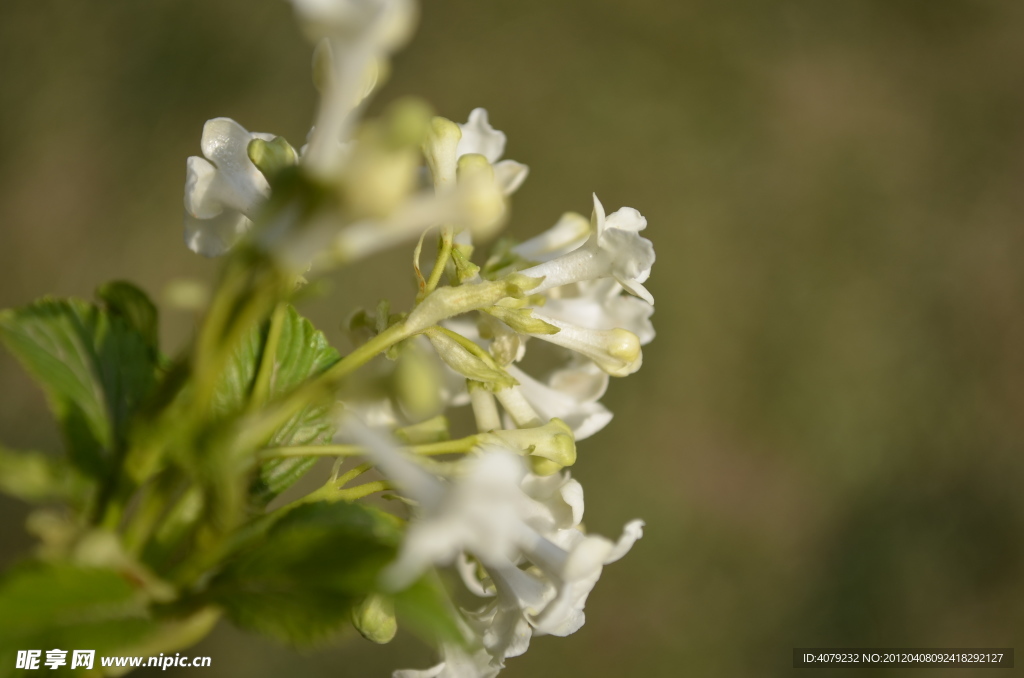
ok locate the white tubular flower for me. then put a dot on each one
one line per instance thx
(456, 663)
(479, 137)
(616, 351)
(550, 597)
(600, 305)
(568, 234)
(504, 623)
(486, 512)
(574, 562)
(614, 250)
(223, 190)
(356, 36)
(479, 513)
(570, 394)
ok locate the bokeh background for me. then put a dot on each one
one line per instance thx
(826, 438)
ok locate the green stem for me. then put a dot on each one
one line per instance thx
(458, 446)
(444, 252)
(364, 490)
(261, 388)
(322, 386)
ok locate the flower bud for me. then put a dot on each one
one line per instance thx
(270, 157)
(446, 302)
(550, 447)
(483, 200)
(374, 618)
(521, 320)
(475, 365)
(440, 150)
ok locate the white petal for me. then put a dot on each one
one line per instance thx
(626, 219)
(582, 379)
(568, 234)
(560, 494)
(616, 351)
(510, 175)
(587, 262)
(479, 137)
(432, 672)
(468, 570)
(200, 199)
(599, 305)
(633, 530)
(584, 417)
(215, 236)
(239, 185)
(633, 255)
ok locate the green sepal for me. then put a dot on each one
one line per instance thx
(521, 320)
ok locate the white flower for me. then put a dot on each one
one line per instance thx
(480, 512)
(479, 137)
(616, 351)
(615, 249)
(574, 562)
(355, 37)
(570, 232)
(456, 663)
(223, 190)
(550, 596)
(571, 394)
(505, 518)
(600, 305)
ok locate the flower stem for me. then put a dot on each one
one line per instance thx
(261, 389)
(444, 252)
(458, 446)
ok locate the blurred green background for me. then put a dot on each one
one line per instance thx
(826, 438)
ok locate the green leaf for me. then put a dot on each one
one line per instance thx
(427, 609)
(68, 607)
(302, 352)
(94, 367)
(128, 302)
(34, 476)
(300, 583)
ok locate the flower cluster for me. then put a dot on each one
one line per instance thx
(506, 513)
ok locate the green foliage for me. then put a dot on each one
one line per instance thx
(34, 476)
(301, 581)
(95, 367)
(128, 302)
(297, 574)
(301, 351)
(68, 607)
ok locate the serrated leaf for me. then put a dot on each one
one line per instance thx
(300, 583)
(128, 302)
(302, 352)
(94, 367)
(68, 607)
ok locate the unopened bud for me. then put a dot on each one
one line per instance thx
(446, 302)
(270, 157)
(551, 447)
(440, 150)
(374, 618)
(475, 365)
(483, 201)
